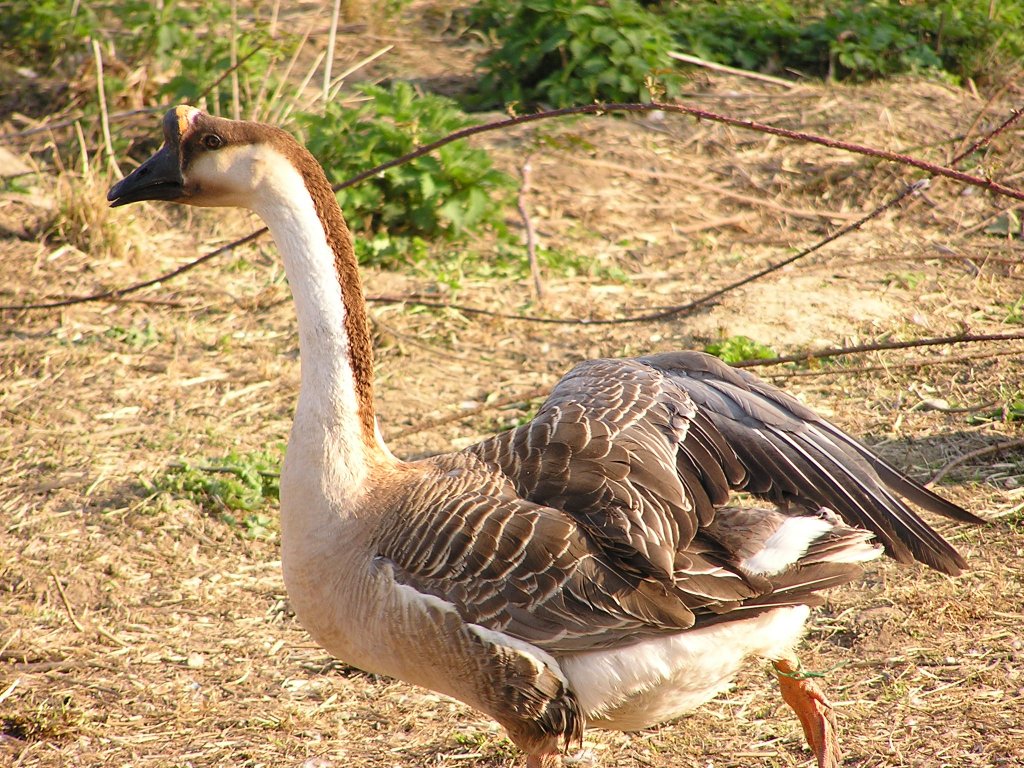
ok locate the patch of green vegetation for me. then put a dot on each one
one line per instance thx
(201, 61)
(186, 47)
(853, 39)
(906, 280)
(737, 348)
(509, 261)
(236, 487)
(439, 196)
(563, 52)
(1015, 312)
(136, 337)
(1010, 410)
(1007, 225)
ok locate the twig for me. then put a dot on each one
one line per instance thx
(702, 114)
(716, 67)
(964, 338)
(118, 294)
(67, 604)
(229, 72)
(531, 236)
(689, 306)
(760, 202)
(988, 450)
(236, 100)
(921, 362)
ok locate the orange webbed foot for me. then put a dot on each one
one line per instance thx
(814, 710)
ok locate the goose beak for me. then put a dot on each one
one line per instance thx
(159, 178)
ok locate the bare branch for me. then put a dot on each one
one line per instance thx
(988, 450)
(964, 338)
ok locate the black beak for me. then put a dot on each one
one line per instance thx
(159, 178)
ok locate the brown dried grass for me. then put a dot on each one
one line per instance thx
(141, 630)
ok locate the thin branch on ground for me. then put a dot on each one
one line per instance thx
(988, 450)
(921, 362)
(964, 338)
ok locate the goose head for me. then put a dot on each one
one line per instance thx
(211, 162)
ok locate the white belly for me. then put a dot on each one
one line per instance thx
(659, 679)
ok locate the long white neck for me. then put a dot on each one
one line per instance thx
(333, 443)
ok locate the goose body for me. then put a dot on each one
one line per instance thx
(585, 568)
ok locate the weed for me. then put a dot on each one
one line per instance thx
(236, 483)
(508, 261)
(135, 337)
(565, 52)
(905, 280)
(83, 220)
(440, 196)
(853, 39)
(1010, 410)
(1015, 312)
(737, 348)
(1006, 225)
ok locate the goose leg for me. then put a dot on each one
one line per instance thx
(814, 710)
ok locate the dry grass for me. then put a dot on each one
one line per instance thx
(139, 629)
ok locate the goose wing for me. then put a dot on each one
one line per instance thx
(792, 455)
(640, 452)
(626, 454)
(465, 536)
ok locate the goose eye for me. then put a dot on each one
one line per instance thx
(212, 141)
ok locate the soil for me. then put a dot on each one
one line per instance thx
(139, 628)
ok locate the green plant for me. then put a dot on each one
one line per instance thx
(236, 483)
(564, 52)
(1010, 410)
(438, 196)
(852, 39)
(44, 30)
(737, 348)
(186, 47)
(906, 280)
(137, 337)
(202, 61)
(1015, 312)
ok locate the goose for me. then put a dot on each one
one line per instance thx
(589, 568)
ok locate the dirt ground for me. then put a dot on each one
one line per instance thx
(140, 629)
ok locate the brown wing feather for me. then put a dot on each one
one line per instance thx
(630, 460)
(466, 537)
(792, 455)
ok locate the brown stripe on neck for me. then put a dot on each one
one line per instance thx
(339, 238)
